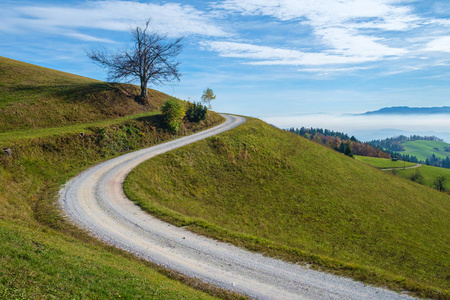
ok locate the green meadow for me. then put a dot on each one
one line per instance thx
(425, 149)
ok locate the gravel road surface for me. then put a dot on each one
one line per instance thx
(95, 201)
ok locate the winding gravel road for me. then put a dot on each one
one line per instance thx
(95, 201)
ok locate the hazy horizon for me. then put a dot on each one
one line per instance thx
(369, 127)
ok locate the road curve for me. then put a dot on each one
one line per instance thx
(95, 201)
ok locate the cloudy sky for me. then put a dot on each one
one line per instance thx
(274, 59)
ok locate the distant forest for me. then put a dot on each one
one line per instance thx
(393, 145)
(340, 142)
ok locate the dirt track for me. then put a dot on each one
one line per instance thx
(95, 201)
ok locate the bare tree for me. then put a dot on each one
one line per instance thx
(152, 59)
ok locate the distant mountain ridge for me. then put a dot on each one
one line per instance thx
(405, 110)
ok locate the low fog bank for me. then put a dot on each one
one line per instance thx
(366, 128)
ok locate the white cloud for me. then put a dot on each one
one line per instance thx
(111, 15)
(88, 38)
(264, 55)
(351, 31)
(385, 14)
(346, 42)
(441, 44)
(242, 50)
(327, 71)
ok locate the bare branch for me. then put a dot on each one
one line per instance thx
(152, 59)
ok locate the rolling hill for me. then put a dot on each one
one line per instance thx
(274, 192)
(42, 255)
(35, 97)
(425, 149)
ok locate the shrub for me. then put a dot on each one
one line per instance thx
(173, 113)
(416, 176)
(439, 182)
(196, 112)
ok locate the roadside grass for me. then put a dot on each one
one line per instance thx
(38, 263)
(425, 149)
(43, 256)
(36, 97)
(276, 193)
(383, 163)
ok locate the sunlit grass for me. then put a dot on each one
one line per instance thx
(38, 263)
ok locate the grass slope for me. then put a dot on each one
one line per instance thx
(425, 149)
(42, 256)
(274, 192)
(36, 97)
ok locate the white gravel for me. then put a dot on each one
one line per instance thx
(95, 201)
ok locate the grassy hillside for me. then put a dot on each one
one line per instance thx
(36, 97)
(43, 256)
(280, 194)
(425, 149)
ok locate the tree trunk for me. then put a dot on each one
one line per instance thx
(143, 91)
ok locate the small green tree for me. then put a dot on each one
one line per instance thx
(208, 96)
(173, 113)
(348, 149)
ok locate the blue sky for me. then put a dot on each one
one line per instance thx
(284, 61)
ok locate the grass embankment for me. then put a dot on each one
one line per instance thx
(383, 163)
(43, 256)
(271, 191)
(425, 149)
(36, 97)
